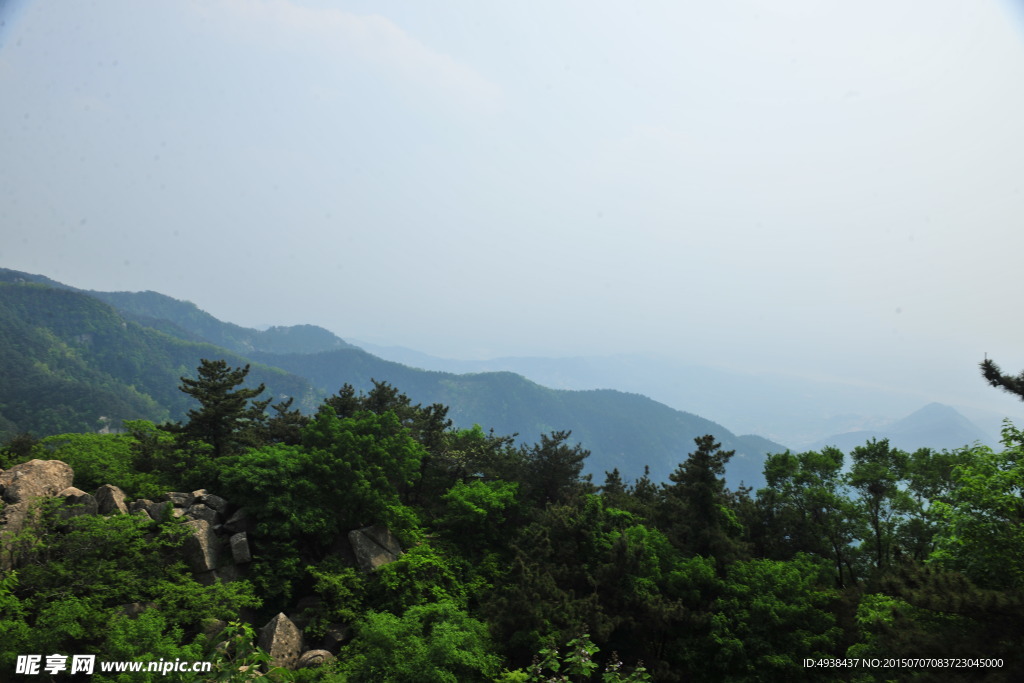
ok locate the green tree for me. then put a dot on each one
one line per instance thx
(436, 642)
(228, 418)
(575, 662)
(553, 469)
(878, 473)
(421, 575)
(770, 616)
(77, 577)
(805, 509)
(695, 512)
(17, 449)
(347, 474)
(99, 459)
(477, 512)
(644, 496)
(285, 425)
(614, 490)
(14, 621)
(428, 425)
(156, 457)
(981, 522)
(930, 479)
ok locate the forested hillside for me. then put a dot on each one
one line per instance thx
(873, 565)
(185, 320)
(72, 363)
(164, 339)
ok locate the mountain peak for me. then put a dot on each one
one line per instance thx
(932, 416)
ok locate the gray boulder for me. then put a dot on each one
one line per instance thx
(282, 640)
(240, 548)
(142, 512)
(374, 546)
(224, 574)
(336, 636)
(213, 628)
(200, 511)
(161, 510)
(202, 549)
(157, 510)
(23, 484)
(311, 658)
(305, 610)
(178, 499)
(110, 500)
(35, 479)
(210, 500)
(78, 502)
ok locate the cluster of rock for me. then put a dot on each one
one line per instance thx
(217, 549)
(219, 545)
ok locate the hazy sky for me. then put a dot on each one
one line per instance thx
(830, 187)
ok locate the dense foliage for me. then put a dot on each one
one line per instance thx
(518, 567)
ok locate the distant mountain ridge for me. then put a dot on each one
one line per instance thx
(935, 426)
(797, 411)
(627, 431)
(153, 306)
(185, 320)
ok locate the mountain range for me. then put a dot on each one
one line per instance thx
(801, 412)
(80, 360)
(77, 360)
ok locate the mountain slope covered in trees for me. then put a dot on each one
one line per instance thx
(185, 320)
(72, 363)
(624, 431)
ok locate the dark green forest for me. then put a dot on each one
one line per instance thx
(516, 566)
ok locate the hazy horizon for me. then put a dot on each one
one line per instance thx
(826, 191)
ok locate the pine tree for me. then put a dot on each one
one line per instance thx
(286, 425)
(696, 514)
(991, 372)
(554, 468)
(613, 491)
(613, 485)
(228, 419)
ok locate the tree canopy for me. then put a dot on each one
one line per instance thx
(515, 566)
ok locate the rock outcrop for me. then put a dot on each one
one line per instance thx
(111, 500)
(202, 548)
(282, 640)
(35, 479)
(240, 548)
(216, 549)
(22, 485)
(78, 502)
(374, 546)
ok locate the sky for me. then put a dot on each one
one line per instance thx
(827, 188)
